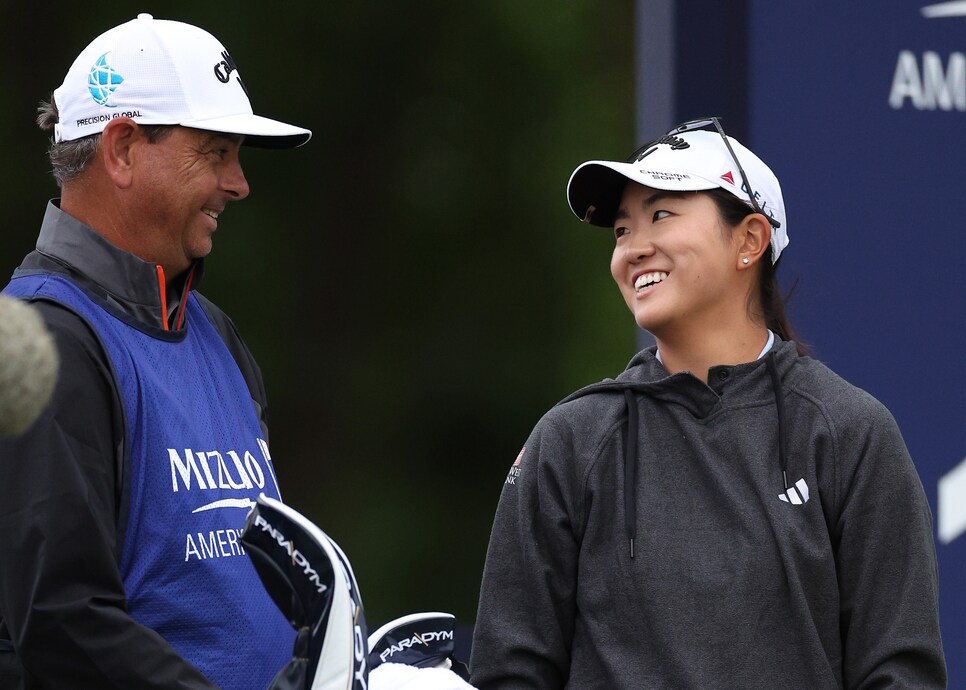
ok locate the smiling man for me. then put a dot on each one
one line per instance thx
(120, 563)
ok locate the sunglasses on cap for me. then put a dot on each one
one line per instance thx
(692, 125)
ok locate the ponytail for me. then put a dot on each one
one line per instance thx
(771, 302)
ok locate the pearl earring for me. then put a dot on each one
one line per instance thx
(746, 260)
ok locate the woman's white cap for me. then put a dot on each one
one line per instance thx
(160, 72)
(689, 161)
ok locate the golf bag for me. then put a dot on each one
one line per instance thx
(311, 581)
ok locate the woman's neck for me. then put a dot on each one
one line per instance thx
(699, 352)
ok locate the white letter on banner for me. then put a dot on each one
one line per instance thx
(906, 82)
(951, 511)
(943, 88)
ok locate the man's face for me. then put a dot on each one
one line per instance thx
(182, 184)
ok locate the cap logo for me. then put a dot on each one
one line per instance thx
(666, 176)
(676, 144)
(729, 178)
(102, 81)
(224, 69)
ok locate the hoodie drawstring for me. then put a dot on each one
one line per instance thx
(630, 469)
(776, 384)
(631, 442)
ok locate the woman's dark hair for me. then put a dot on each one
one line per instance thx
(732, 211)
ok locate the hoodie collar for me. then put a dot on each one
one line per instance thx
(647, 376)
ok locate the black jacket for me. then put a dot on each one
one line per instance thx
(63, 494)
(782, 539)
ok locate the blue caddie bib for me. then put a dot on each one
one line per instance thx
(196, 461)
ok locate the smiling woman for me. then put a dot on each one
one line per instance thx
(713, 516)
(681, 276)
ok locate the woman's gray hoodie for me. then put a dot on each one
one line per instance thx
(741, 577)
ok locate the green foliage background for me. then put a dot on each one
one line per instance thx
(411, 281)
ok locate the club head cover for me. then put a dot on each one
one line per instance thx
(311, 581)
(424, 640)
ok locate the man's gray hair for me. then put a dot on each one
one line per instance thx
(70, 158)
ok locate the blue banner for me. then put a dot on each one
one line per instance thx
(860, 108)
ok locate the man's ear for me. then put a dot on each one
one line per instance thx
(754, 236)
(117, 142)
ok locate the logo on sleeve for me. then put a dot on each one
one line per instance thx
(515, 470)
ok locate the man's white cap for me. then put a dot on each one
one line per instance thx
(160, 72)
(688, 161)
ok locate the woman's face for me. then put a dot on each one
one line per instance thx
(674, 261)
